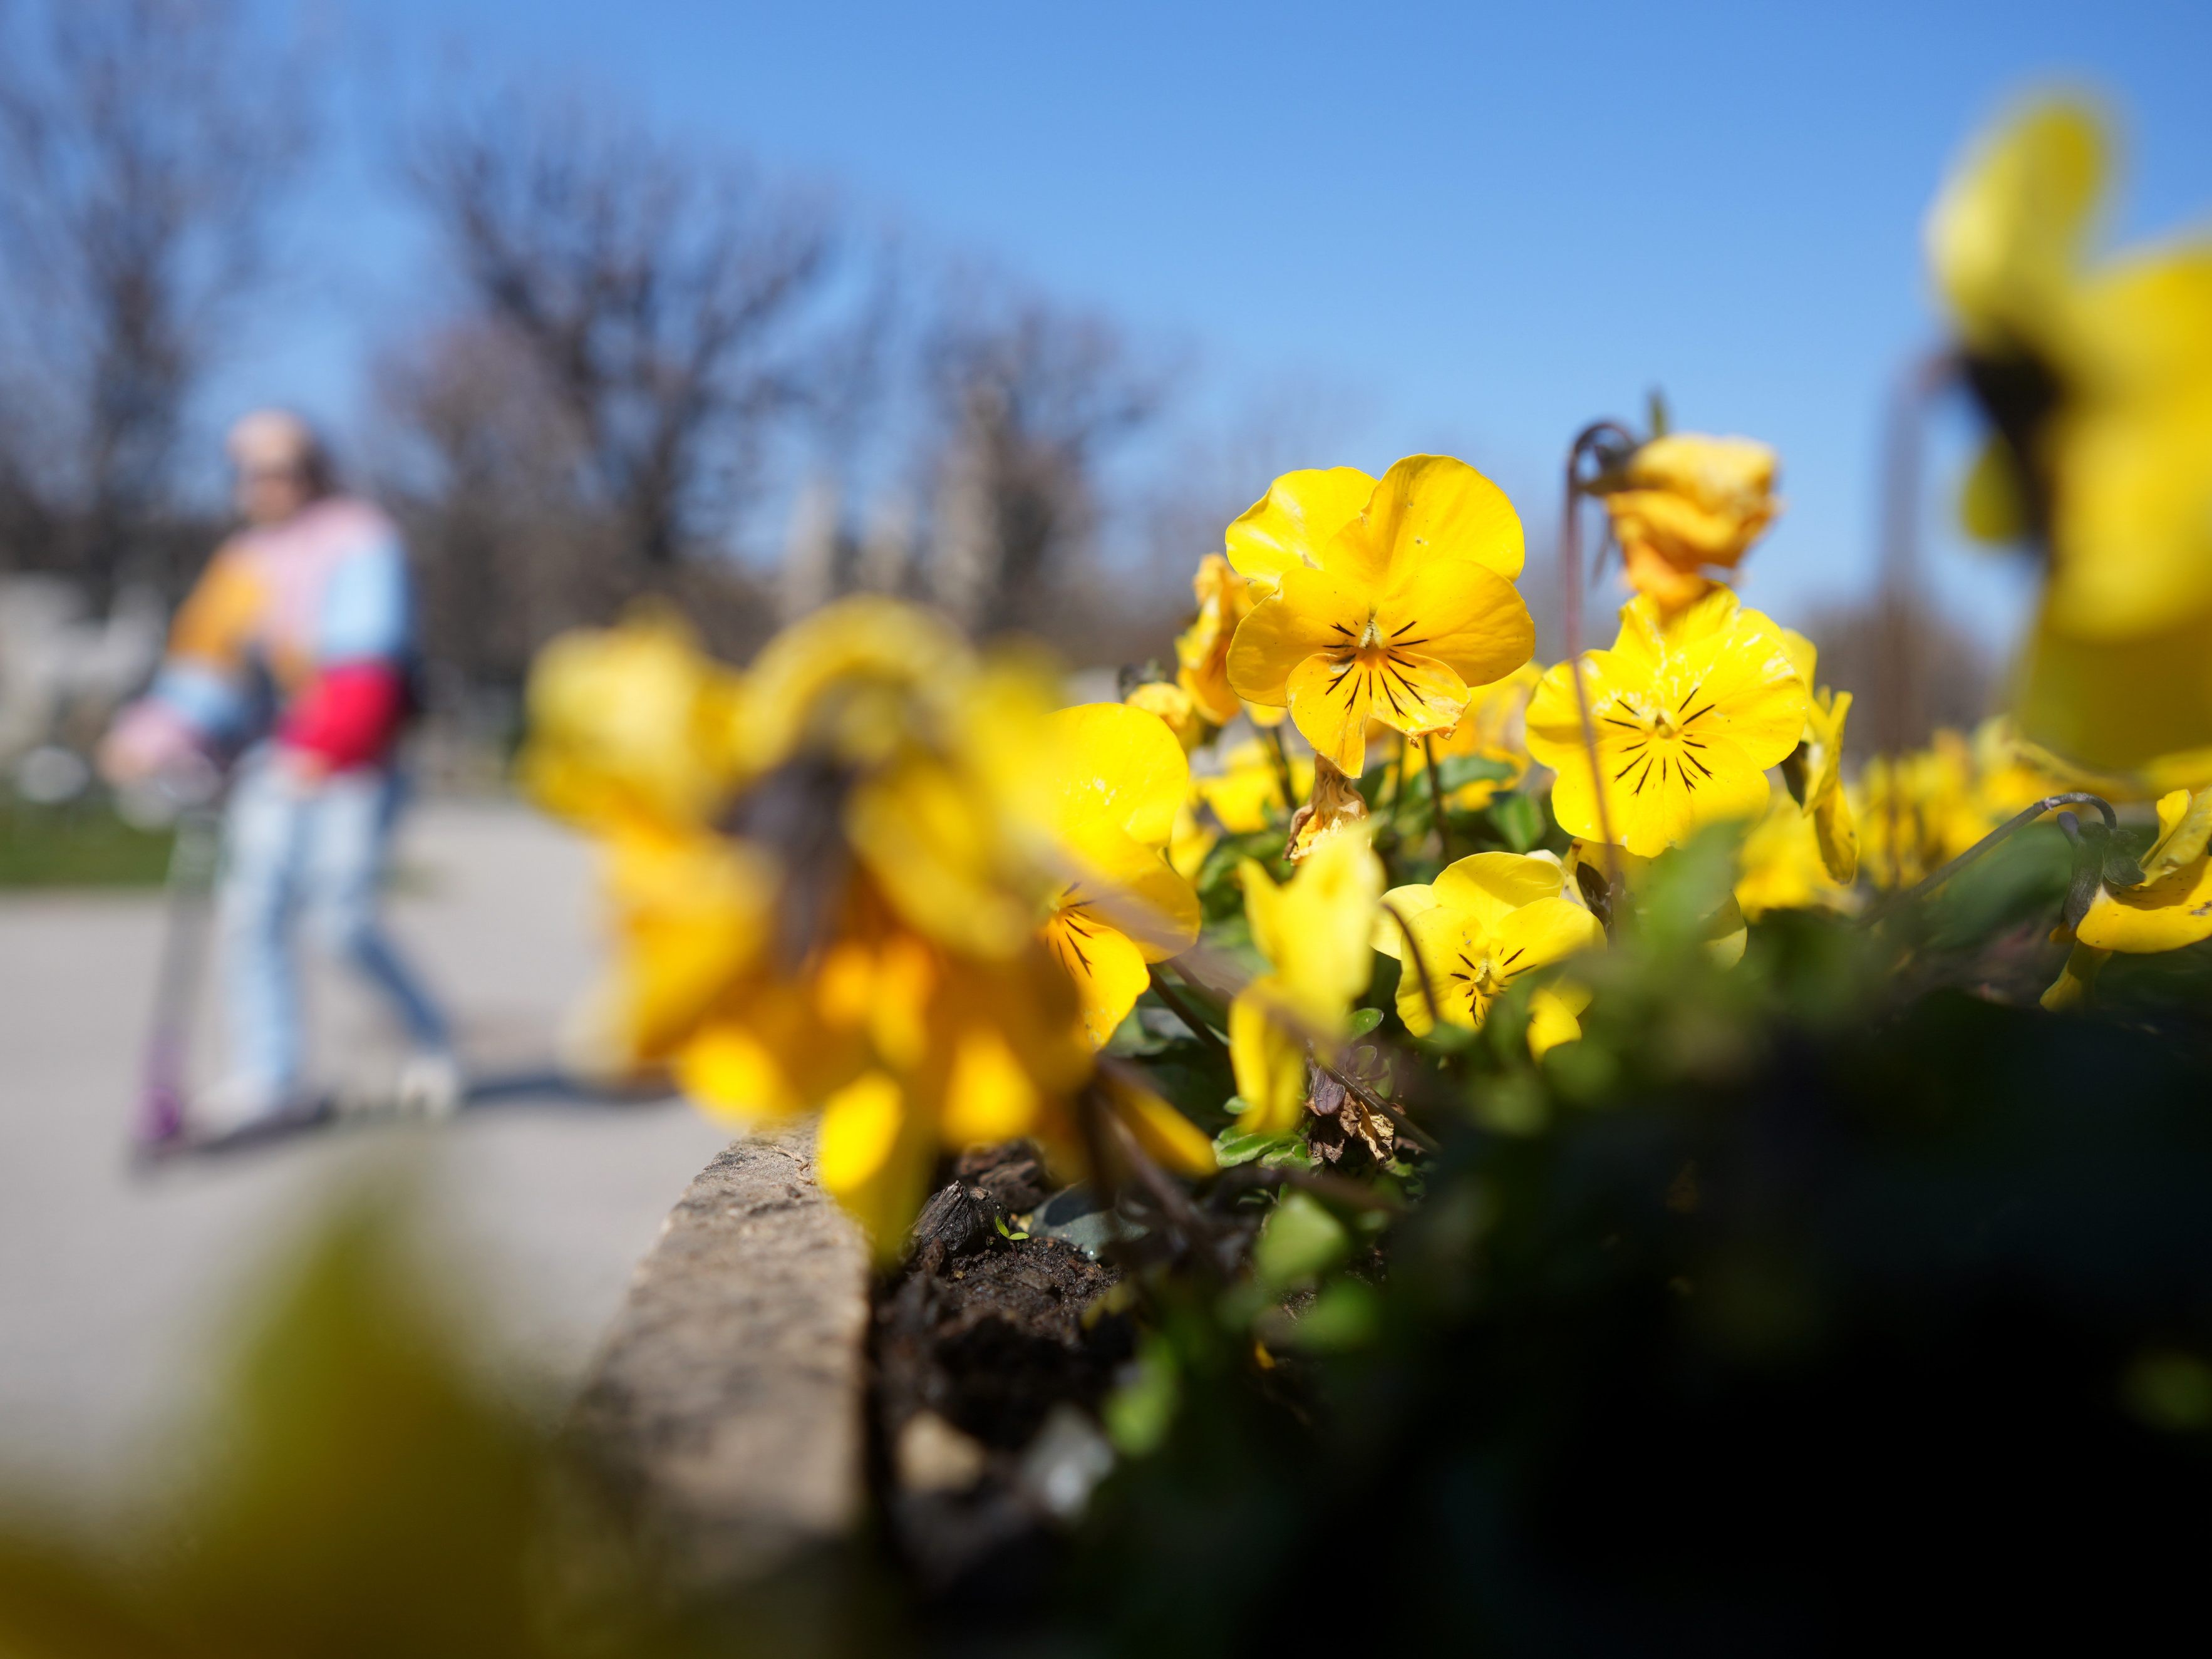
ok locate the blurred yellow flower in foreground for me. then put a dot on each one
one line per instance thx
(633, 726)
(1390, 612)
(1119, 778)
(1484, 923)
(1688, 714)
(1315, 932)
(1685, 504)
(2097, 382)
(854, 925)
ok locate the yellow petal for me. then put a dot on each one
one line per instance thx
(989, 1095)
(1428, 508)
(1166, 1136)
(1396, 913)
(1311, 612)
(2120, 706)
(2006, 232)
(1332, 702)
(1548, 930)
(1489, 886)
(1108, 969)
(1555, 1016)
(1299, 515)
(1460, 614)
(1269, 1060)
(1122, 884)
(1116, 765)
(873, 1157)
(2164, 914)
(1315, 928)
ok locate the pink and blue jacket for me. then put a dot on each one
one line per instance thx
(303, 631)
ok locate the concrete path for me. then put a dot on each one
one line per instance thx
(116, 1288)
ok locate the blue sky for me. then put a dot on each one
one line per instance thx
(1459, 227)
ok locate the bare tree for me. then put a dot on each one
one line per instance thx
(1030, 398)
(144, 147)
(661, 294)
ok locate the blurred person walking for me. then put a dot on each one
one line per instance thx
(289, 663)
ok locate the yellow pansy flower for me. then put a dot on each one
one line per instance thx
(2170, 908)
(1119, 778)
(1393, 613)
(1816, 770)
(1688, 714)
(1483, 923)
(1314, 930)
(2173, 906)
(1493, 727)
(1202, 649)
(2097, 382)
(1685, 504)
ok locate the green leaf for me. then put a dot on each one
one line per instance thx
(1519, 819)
(1301, 1240)
(1139, 1414)
(1233, 1146)
(1365, 1020)
(1347, 1314)
(1457, 771)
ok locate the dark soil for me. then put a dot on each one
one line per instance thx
(989, 1334)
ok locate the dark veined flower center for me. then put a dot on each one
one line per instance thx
(1664, 744)
(1375, 661)
(1479, 979)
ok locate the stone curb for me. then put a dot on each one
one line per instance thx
(726, 1400)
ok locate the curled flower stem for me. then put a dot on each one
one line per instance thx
(1588, 441)
(2026, 815)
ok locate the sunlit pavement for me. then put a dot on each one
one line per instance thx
(117, 1286)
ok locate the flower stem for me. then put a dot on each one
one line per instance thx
(1282, 754)
(1436, 799)
(1587, 441)
(1184, 1011)
(2026, 815)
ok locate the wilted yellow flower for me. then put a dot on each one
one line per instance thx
(1336, 807)
(1493, 727)
(1314, 930)
(1688, 714)
(1119, 778)
(1685, 504)
(1391, 611)
(1483, 923)
(2097, 381)
(1168, 703)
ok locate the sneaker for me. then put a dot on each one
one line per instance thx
(431, 1084)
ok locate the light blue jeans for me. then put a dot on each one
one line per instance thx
(313, 854)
